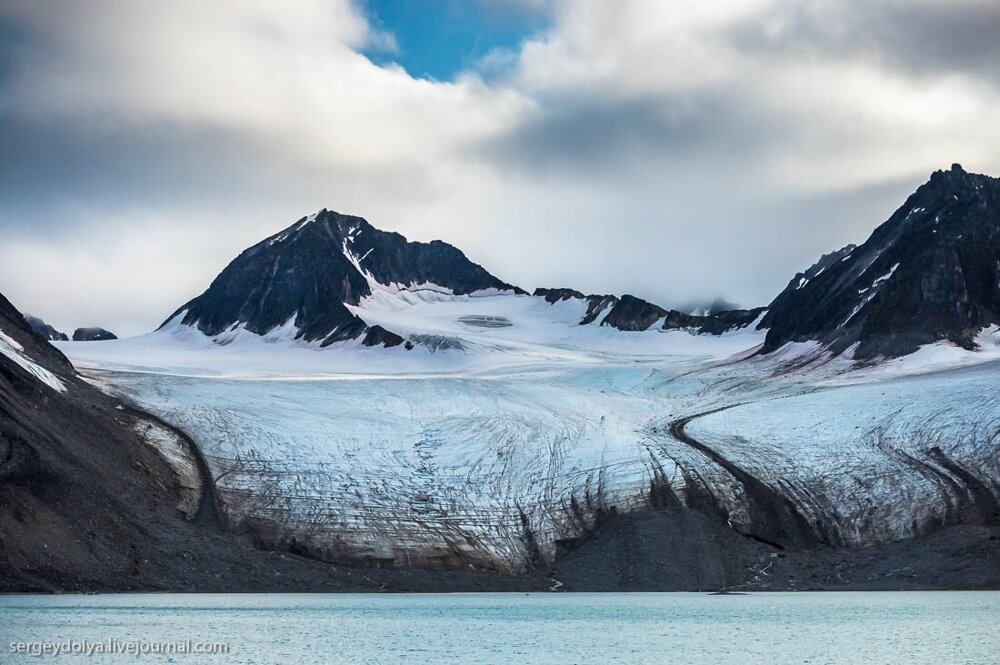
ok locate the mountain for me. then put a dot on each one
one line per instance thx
(307, 275)
(44, 330)
(929, 273)
(76, 482)
(20, 345)
(92, 335)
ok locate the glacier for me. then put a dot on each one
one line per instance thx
(493, 446)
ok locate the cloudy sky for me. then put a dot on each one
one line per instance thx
(674, 150)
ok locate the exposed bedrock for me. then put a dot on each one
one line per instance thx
(931, 272)
(44, 330)
(93, 335)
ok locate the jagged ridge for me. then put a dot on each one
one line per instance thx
(630, 313)
(929, 273)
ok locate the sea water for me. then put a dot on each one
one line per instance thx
(856, 627)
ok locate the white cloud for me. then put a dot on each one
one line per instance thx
(675, 150)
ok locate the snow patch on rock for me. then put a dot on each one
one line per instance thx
(13, 350)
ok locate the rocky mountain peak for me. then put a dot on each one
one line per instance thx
(307, 275)
(930, 272)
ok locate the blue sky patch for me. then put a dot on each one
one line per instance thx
(439, 38)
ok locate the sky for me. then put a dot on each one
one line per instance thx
(675, 151)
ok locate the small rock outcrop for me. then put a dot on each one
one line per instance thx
(92, 335)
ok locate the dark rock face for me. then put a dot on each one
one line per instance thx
(733, 319)
(16, 326)
(632, 314)
(379, 336)
(930, 273)
(44, 330)
(92, 335)
(311, 270)
(596, 305)
(553, 296)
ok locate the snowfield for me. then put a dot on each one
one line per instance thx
(508, 429)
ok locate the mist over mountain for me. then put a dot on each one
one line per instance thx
(44, 330)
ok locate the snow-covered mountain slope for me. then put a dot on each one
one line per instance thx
(306, 276)
(509, 430)
(931, 272)
(22, 347)
(486, 332)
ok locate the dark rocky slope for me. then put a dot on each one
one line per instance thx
(311, 270)
(44, 330)
(929, 273)
(713, 324)
(671, 550)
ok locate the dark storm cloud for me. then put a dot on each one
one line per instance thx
(592, 133)
(591, 129)
(15, 39)
(921, 38)
(51, 163)
(580, 132)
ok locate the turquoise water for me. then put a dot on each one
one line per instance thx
(878, 627)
